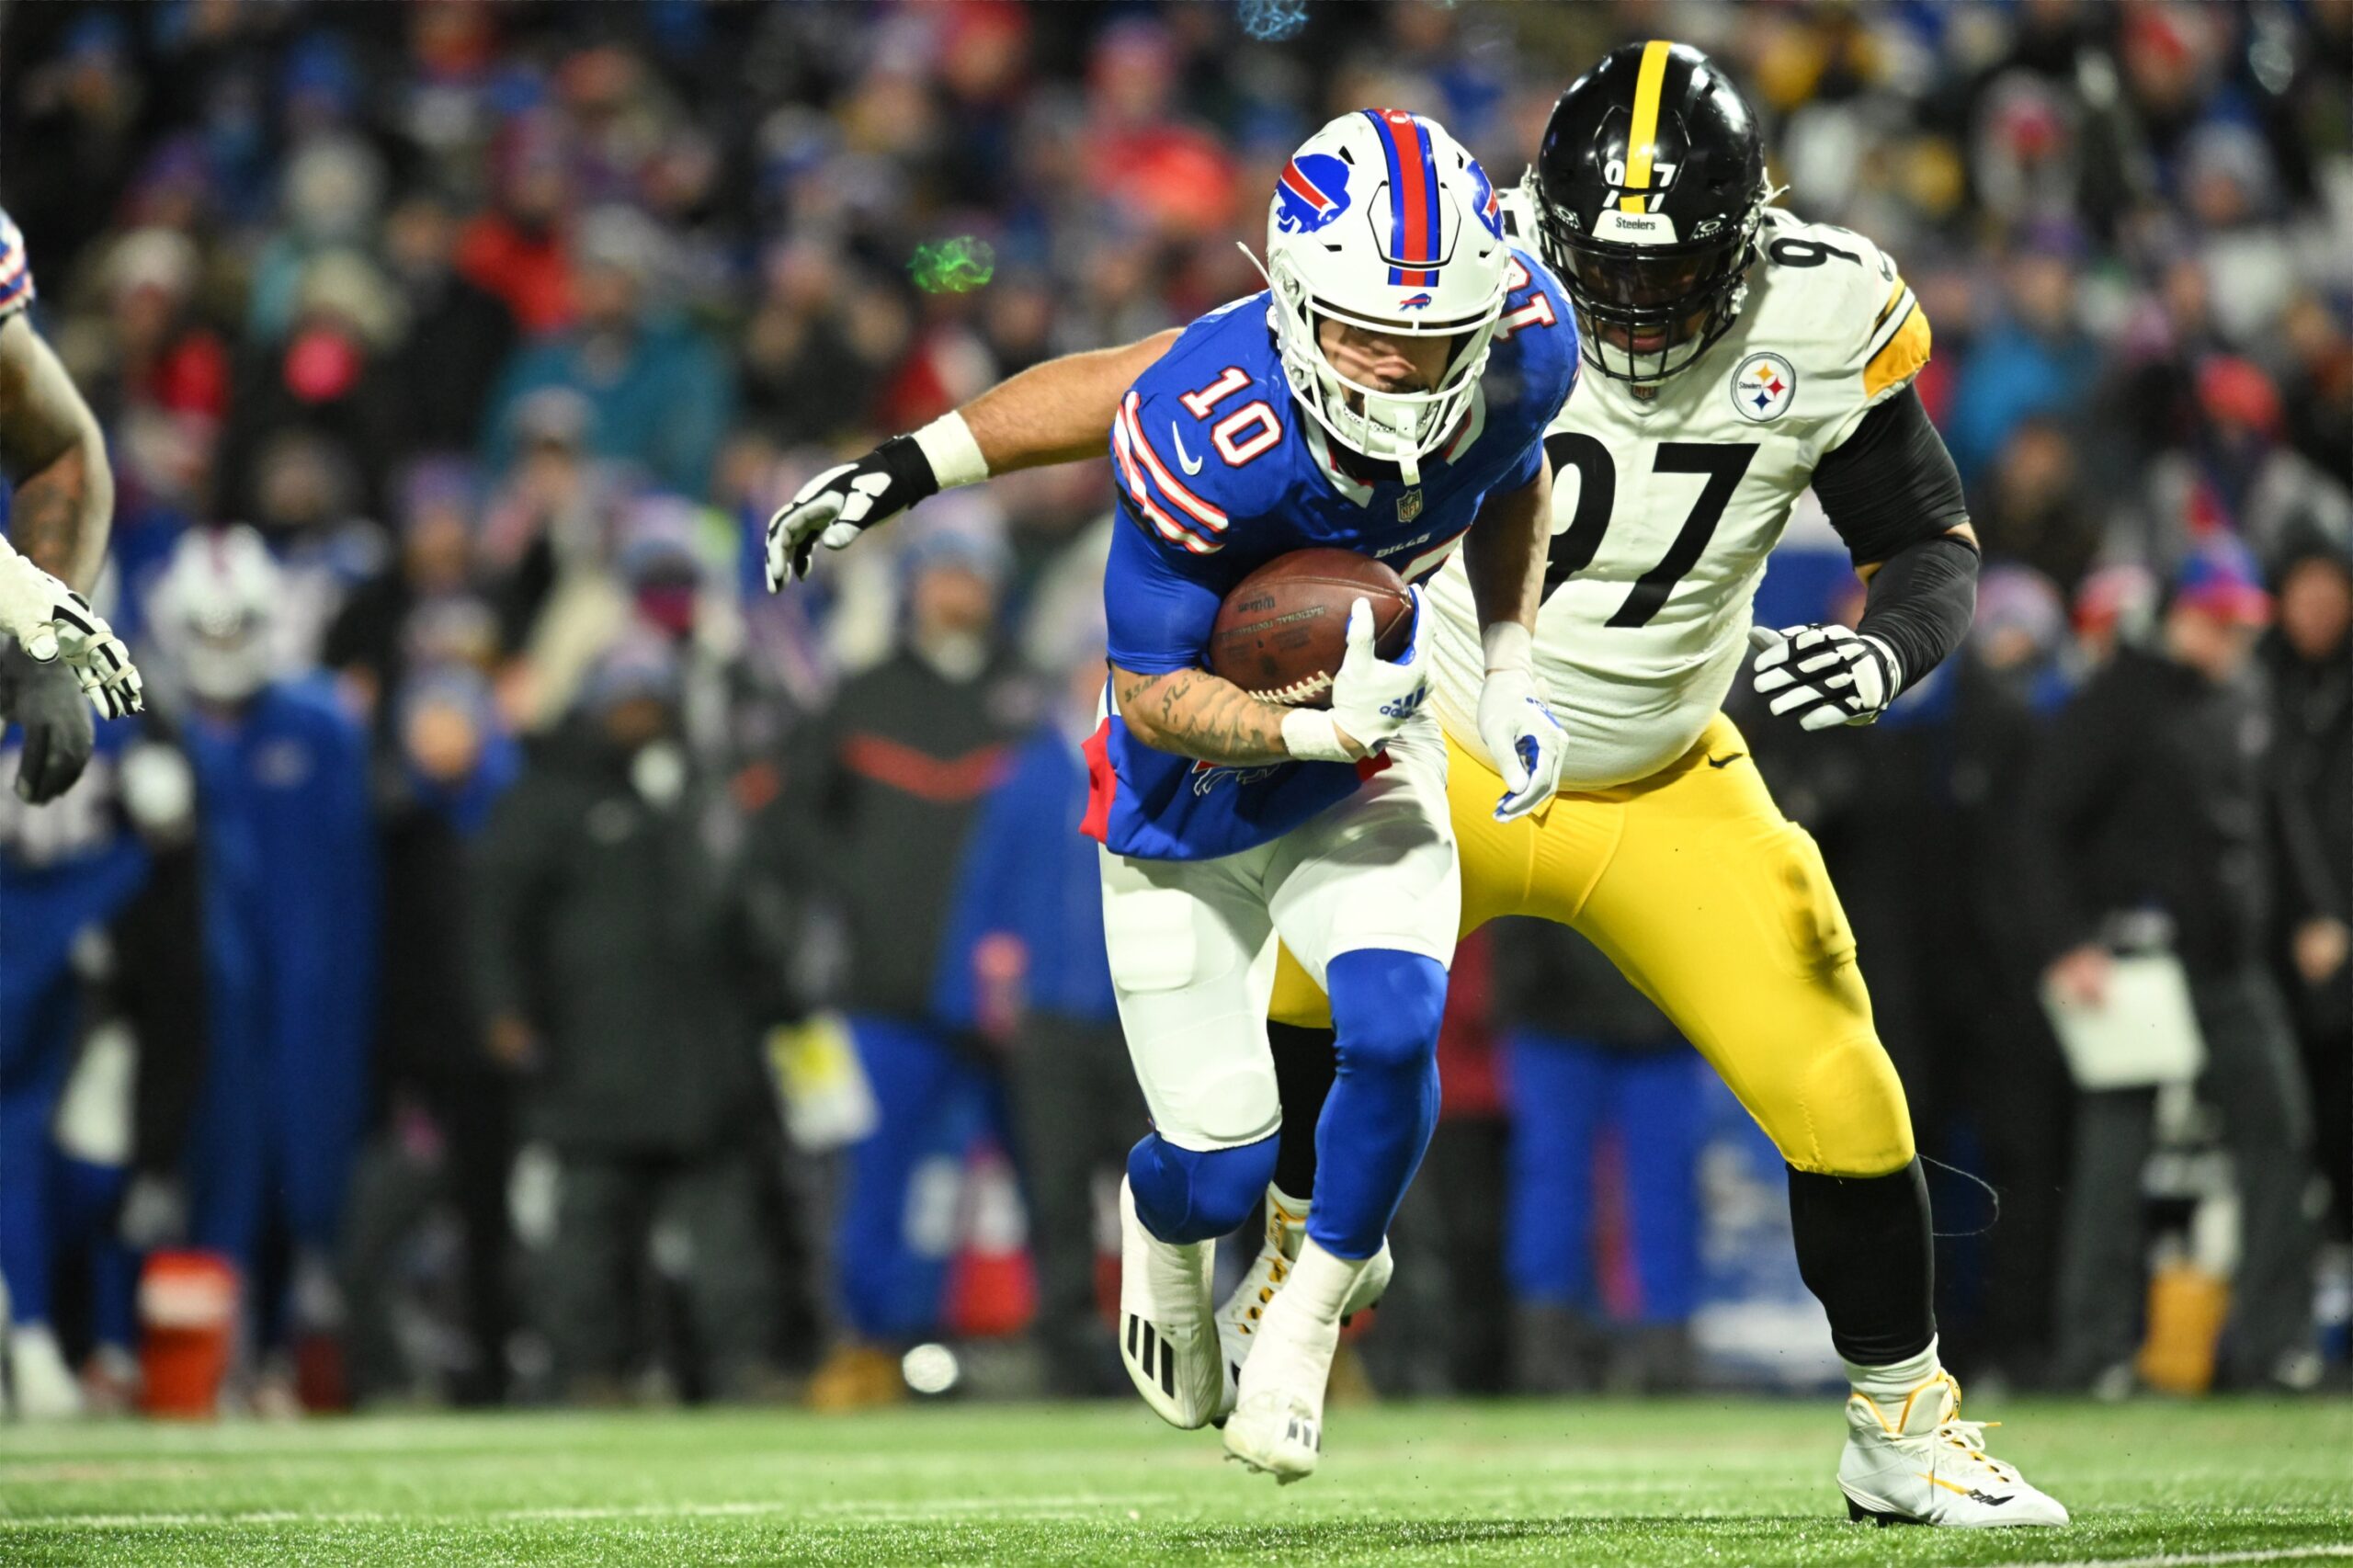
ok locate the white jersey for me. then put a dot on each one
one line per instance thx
(1665, 510)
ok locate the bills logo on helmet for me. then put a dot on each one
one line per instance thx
(1764, 387)
(1311, 192)
(1491, 211)
(1415, 302)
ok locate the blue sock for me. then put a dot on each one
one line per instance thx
(1194, 1195)
(1377, 1121)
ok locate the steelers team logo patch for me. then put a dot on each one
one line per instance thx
(1764, 387)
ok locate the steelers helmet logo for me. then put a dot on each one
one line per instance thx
(1764, 387)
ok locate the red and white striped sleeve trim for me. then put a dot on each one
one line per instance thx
(1167, 527)
(1202, 511)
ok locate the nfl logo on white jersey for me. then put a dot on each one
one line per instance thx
(1764, 387)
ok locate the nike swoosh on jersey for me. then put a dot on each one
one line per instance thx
(1185, 459)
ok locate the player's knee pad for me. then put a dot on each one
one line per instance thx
(1840, 1110)
(1198, 1195)
(1386, 1006)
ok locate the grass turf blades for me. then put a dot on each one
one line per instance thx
(1702, 1481)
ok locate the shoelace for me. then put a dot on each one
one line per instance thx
(1969, 1437)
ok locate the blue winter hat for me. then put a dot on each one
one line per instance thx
(640, 664)
(2220, 577)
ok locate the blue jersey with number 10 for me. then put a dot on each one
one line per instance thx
(1219, 472)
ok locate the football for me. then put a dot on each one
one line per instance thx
(1281, 634)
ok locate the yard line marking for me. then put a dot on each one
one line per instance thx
(1067, 1505)
(2200, 1559)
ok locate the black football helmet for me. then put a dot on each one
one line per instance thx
(1648, 191)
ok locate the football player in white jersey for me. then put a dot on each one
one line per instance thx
(55, 651)
(1735, 355)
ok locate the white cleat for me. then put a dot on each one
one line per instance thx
(1278, 1421)
(1168, 1328)
(1237, 1321)
(1919, 1463)
(44, 1386)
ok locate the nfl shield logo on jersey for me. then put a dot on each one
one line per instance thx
(1409, 505)
(1764, 387)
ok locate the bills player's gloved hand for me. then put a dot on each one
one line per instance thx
(1518, 728)
(1373, 699)
(1824, 675)
(45, 700)
(842, 502)
(50, 620)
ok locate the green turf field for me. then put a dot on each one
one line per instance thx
(1700, 1482)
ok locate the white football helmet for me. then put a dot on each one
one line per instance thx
(1384, 221)
(213, 611)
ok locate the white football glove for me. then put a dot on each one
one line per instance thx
(51, 621)
(1824, 675)
(1517, 726)
(844, 500)
(1373, 699)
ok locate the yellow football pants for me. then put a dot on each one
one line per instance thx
(1719, 909)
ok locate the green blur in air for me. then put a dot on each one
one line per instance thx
(956, 265)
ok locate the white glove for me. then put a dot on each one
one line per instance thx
(1824, 675)
(1517, 726)
(1373, 699)
(51, 621)
(843, 501)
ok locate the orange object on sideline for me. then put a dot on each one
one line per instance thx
(188, 1315)
(2186, 1309)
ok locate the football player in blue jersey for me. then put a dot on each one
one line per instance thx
(1386, 394)
(55, 649)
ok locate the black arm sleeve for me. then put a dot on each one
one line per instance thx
(1921, 602)
(1891, 483)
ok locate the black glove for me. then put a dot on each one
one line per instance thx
(60, 729)
(844, 502)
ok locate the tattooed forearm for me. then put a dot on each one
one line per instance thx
(1194, 713)
(52, 449)
(57, 521)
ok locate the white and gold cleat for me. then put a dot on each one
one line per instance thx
(1168, 1338)
(1916, 1463)
(1238, 1319)
(1278, 1421)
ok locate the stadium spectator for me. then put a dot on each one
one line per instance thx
(101, 1035)
(377, 630)
(1035, 984)
(658, 395)
(291, 915)
(2149, 822)
(2310, 655)
(457, 336)
(878, 815)
(443, 1118)
(2037, 358)
(609, 956)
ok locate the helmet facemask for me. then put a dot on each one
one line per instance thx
(1395, 426)
(1627, 289)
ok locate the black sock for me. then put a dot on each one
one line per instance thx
(1305, 1063)
(1867, 1250)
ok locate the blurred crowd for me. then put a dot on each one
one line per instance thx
(520, 959)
